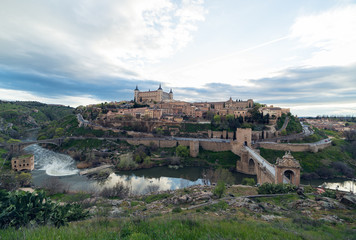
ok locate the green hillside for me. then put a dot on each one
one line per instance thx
(17, 117)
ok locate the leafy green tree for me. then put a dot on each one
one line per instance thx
(219, 189)
(182, 151)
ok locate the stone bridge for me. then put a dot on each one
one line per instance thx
(286, 170)
(18, 147)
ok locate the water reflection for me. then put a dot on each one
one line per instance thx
(142, 184)
(346, 186)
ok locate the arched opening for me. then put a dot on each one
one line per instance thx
(251, 165)
(290, 175)
(245, 143)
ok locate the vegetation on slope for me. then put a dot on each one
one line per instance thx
(335, 161)
(157, 217)
(68, 126)
(293, 126)
(17, 117)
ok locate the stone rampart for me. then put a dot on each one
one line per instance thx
(167, 143)
(215, 146)
(294, 147)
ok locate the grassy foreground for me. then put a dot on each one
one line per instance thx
(181, 227)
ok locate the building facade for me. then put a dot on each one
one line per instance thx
(26, 162)
(152, 96)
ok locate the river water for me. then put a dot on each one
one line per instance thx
(50, 165)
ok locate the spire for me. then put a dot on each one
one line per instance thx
(170, 91)
(160, 88)
(136, 88)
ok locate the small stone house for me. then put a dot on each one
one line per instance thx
(25, 162)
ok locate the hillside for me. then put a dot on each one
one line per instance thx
(17, 117)
(198, 213)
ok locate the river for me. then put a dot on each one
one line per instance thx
(50, 165)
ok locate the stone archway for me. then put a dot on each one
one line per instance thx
(290, 175)
(251, 165)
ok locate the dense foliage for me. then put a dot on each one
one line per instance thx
(272, 188)
(68, 126)
(293, 126)
(24, 208)
(17, 117)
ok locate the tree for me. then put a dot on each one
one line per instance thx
(182, 151)
(24, 179)
(219, 189)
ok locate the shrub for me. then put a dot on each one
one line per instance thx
(182, 151)
(329, 194)
(220, 174)
(272, 188)
(117, 191)
(249, 181)
(54, 185)
(219, 189)
(177, 210)
(24, 208)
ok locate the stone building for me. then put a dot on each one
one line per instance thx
(152, 96)
(26, 162)
(287, 167)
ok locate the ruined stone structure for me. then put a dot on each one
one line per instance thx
(152, 96)
(26, 162)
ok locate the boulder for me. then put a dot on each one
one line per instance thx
(349, 200)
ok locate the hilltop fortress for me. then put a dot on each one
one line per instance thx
(162, 104)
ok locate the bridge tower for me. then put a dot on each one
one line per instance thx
(287, 167)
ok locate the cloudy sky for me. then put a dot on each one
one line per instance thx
(298, 54)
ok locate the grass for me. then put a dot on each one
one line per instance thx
(179, 227)
(156, 197)
(309, 161)
(225, 159)
(6, 165)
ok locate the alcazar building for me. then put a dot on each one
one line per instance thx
(152, 96)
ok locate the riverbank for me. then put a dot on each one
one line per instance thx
(196, 213)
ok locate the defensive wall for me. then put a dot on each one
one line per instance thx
(169, 143)
(294, 147)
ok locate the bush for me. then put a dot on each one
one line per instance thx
(117, 191)
(329, 194)
(220, 174)
(24, 208)
(177, 210)
(249, 181)
(219, 189)
(272, 188)
(54, 186)
(182, 151)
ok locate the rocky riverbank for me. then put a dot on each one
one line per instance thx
(239, 200)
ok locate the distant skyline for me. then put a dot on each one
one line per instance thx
(296, 54)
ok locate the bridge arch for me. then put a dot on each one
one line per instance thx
(290, 174)
(251, 165)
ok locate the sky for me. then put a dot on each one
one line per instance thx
(295, 54)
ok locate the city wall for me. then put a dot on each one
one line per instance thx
(167, 143)
(294, 147)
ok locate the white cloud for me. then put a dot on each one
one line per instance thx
(94, 38)
(330, 36)
(73, 101)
